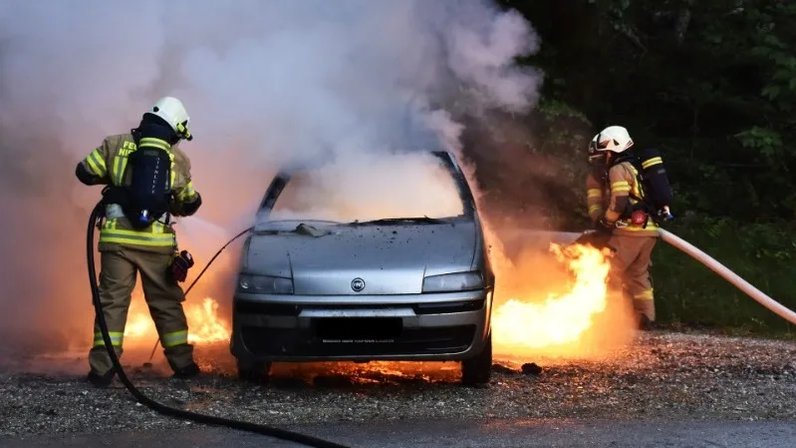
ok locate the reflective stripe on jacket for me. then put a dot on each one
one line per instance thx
(109, 162)
(595, 201)
(624, 188)
(610, 199)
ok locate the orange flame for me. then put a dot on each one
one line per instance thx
(204, 324)
(560, 323)
(139, 326)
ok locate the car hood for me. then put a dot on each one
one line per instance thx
(390, 259)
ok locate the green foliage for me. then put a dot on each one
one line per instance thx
(761, 253)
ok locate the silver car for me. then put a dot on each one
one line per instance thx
(413, 282)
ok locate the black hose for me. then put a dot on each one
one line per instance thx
(159, 407)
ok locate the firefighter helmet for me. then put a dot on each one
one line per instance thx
(173, 112)
(613, 138)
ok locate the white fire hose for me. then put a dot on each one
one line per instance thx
(744, 286)
(689, 249)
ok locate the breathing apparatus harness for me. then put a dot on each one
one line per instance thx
(94, 219)
(655, 190)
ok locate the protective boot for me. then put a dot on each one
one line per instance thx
(645, 310)
(644, 324)
(189, 371)
(100, 381)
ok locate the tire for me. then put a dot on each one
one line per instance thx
(477, 370)
(254, 371)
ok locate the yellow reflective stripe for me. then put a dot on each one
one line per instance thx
(97, 156)
(136, 242)
(153, 240)
(653, 161)
(122, 168)
(157, 227)
(594, 193)
(174, 338)
(187, 192)
(96, 163)
(143, 238)
(154, 142)
(93, 167)
(116, 171)
(116, 338)
(651, 227)
(120, 162)
(620, 186)
(594, 208)
(138, 235)
(644, 295)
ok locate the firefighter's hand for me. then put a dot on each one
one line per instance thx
(603, 226)
(180, 265)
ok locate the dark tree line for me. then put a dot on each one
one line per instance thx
(712, 83)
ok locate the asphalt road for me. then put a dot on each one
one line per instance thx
(446, 433)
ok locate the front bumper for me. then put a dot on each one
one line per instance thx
(443, 326)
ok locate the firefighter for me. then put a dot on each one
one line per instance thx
(126, 248)
(615, 199)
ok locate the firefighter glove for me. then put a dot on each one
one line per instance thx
(180, 265)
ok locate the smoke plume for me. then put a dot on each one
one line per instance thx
(267, 85)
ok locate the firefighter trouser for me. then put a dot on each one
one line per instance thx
(630, 268)
(163, 296)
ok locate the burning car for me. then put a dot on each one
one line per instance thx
(358, 262)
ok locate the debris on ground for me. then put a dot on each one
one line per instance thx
(531, 368)
(663, 376)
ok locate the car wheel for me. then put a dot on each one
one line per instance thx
(254, 371)
(477, 370)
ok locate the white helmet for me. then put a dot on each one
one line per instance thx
(173, 112)
(612, 138)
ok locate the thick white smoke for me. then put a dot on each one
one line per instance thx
(266, 84)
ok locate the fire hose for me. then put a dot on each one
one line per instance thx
(734, 279)
(266, 430)
(709, 262)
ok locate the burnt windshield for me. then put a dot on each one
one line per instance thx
(376, 189)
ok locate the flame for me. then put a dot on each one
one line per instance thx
(560, 323)
(139, 326)
(204, 324)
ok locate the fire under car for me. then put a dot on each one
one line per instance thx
(366, 261)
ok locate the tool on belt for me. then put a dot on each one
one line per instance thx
(180, 264)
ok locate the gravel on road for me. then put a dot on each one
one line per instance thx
(663, 376)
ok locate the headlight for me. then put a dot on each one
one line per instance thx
(460, 281)
(264, 284)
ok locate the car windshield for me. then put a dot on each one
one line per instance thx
(415, 187)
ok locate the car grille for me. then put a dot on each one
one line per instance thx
(278, 309)
(347, 337)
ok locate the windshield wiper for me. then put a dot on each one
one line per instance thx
(415, 219)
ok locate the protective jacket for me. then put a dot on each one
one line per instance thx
(107, 164)
(614, 196)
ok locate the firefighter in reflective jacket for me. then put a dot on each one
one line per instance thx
(127, 250)
(614, 196)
